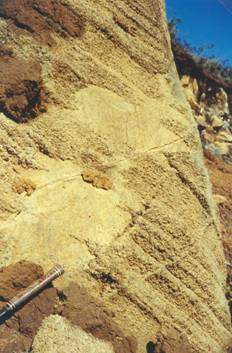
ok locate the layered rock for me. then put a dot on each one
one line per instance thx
(110, 181)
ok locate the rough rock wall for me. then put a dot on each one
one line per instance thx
(110, 180)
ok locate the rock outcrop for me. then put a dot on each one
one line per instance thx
(210, 99)
(141, 236)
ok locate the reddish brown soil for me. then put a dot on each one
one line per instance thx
(173, 342)
(221, 178)
(22, 94)
(83, 310)
(17, 333)
(5, 52)
(42, 17)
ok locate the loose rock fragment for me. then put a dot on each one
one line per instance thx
(24, 185)
(97, 179)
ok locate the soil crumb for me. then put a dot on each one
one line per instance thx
(97, 179)
(40, 18)
(24, 185)
(84, 311)
(17, 333)
(22, 95)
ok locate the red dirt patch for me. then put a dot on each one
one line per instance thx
(17, 333)
(221, 178)
(42, 17)
(173, 342)
(5, 51)
(22, 94)
(84, 311)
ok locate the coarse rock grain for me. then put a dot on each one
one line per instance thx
(57, 335)
(149, 249)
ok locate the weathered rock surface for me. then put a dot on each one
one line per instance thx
(66, 338)
(148, 249)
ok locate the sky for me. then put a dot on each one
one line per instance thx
(205, 22)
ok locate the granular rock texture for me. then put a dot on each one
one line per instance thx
(64, 337)
(17, 333)
(148, 251)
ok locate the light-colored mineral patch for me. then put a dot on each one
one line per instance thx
(57, 335)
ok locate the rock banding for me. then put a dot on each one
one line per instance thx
(148, 250)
